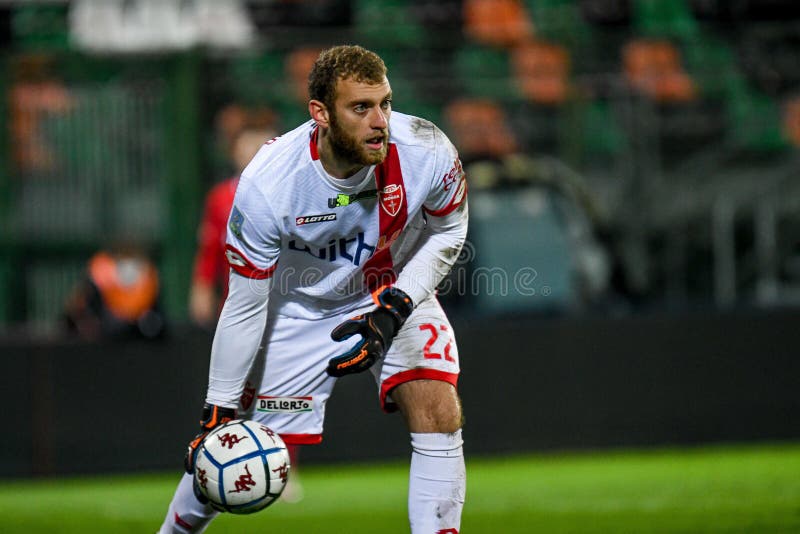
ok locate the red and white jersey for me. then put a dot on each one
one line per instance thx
(328, 242)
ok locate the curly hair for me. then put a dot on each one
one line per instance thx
(345, 62)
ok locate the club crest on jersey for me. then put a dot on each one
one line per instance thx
(311, 219)
(248, 395)
(391, 198)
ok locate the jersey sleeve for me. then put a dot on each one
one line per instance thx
(237, 339)
(252, 249)
(448, 190)
(253, 240)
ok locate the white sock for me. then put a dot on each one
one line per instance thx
(186, 515)
(437, 483)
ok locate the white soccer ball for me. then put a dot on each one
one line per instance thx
(242, 467)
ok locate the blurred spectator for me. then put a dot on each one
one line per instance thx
(479, 129)
(35, 93)
(542, 71)
(499, 23)
(298, 65)
(119, 298)
(654, 68)
(210, 278)
(230, 121)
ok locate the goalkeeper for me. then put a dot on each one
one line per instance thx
(321, 288)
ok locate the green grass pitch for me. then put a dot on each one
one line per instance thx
(754, 488)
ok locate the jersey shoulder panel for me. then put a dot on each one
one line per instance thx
(422, 138)
(409, 130)
(278, 158)
(431, 153)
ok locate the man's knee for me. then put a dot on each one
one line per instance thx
(429, 406)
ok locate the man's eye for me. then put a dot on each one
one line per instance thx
(360, 108)
(386, 104)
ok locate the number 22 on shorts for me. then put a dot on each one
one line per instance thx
(427, 351)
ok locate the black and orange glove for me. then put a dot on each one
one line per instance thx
(213, 416)
(377, 329)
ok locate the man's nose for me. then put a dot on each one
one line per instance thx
(379, 120)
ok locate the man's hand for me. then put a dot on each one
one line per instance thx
(213, 416)
(377, 329)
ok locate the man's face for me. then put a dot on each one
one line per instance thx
(359, 122)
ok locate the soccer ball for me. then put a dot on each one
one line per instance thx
(242, 467)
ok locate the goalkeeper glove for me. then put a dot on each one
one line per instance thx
(213, 416)
(377, 329)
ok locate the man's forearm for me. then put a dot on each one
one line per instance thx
(237, 339)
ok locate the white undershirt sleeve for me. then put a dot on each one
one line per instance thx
(237, 339)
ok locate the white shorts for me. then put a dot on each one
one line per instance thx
(287, 388)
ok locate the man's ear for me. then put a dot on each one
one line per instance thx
(319, 112)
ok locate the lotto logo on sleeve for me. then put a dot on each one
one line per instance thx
(284, 404)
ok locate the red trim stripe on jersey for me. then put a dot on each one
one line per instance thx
(312, 144)
(301, 439)
(245, 267)
(407, 376)
(379, 269)
(458, 199)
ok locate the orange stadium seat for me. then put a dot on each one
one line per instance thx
(479, 128)
(791, 121)
(542, 71)
(653, 67)
(501, 23)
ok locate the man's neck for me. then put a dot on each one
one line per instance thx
(332, 164)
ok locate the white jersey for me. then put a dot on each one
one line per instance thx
(321, 245)
(328, 242)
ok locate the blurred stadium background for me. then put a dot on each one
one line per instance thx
(632, 273)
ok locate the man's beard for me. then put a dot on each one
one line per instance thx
(348, 148)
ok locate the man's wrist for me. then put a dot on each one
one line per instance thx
(396, 302)
(215, 415)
